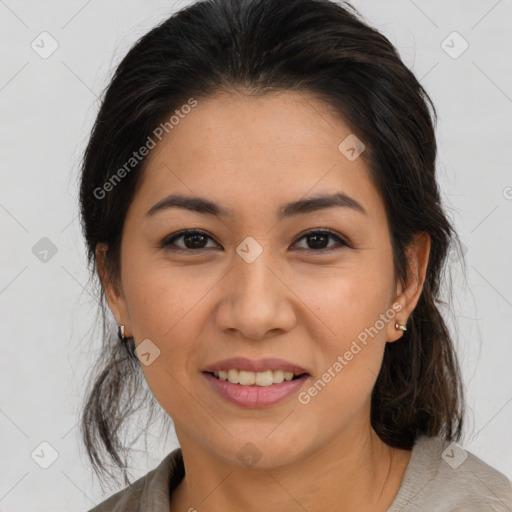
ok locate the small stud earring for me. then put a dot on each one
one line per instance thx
(120, 333)
(398, 325)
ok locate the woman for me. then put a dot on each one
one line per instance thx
(259, 201)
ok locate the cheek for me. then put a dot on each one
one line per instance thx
(348, 301)
(161, 300)
(354, 307)
(163, 306)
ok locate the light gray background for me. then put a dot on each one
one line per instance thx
(47, 110)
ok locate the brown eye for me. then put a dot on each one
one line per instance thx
(192, 240)
(318, 241)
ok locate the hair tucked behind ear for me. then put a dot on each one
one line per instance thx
(258, 47)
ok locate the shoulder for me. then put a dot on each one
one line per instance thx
(151, 492)
(443, 476)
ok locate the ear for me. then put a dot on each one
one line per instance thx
(408, 295)
(113, 290)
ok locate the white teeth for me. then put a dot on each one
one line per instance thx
(264, 378)
(245, 378)
(278, 376)
(233, 376)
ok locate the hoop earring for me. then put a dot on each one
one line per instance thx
(400, 326)
(120, 333)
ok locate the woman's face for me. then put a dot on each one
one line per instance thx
(263, 281)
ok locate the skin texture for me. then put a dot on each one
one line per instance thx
(295, 301)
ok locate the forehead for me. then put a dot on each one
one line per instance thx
(236, 149)
(285, 124)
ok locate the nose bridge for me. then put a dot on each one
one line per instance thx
(255, 298)
(255, 277)
(255, 285)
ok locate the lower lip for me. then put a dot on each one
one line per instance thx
(255, 396)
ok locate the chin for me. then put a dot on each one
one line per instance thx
(261, 451)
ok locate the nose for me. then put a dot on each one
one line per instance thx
(255, 299)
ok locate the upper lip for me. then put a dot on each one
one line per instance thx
(259, 365)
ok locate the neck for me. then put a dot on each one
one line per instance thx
(356, 471)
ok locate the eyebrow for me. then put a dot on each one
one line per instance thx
(302, 206)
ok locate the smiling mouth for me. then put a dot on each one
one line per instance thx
(256, 379)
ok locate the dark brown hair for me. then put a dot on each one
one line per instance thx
(259, 47)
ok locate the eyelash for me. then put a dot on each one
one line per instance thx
(168, 242)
